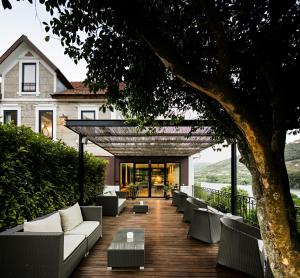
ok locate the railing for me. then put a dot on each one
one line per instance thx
(221, 200)
(28, 87)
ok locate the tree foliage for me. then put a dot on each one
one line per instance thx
(250, 48)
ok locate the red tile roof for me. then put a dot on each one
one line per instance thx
(79, 90)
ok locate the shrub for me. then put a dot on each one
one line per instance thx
(38, 176)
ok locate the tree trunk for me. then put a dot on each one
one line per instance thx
(275, 210)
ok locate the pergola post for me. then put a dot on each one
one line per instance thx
(233, 179)
(81, 169)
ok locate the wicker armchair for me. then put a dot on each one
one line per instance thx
(241, 247)
(181, 201)
(205, 226)
(192, 203)
(175, 198)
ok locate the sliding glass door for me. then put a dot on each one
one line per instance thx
(157, 180)
(142, 179)
(150, 178)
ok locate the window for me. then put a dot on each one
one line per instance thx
(46, 123)
(88, 115)
(10, 116)
(28, 77)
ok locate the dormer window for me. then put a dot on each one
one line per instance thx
(29, 77)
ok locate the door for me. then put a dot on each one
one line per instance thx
(142, 179)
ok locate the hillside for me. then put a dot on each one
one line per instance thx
(220, 172)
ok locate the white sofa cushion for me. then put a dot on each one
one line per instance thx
(85, 228)
(70, 217)
(121, 201)
(48, 224)
(70, 243)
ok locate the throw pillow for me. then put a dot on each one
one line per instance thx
(70, 217)
(48, 224)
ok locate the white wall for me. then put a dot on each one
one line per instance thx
(189, 189)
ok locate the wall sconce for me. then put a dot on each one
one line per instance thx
(62, 119)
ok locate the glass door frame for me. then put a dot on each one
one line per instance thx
(150, 185)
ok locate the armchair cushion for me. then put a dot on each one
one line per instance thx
(71, 242)
(47, 224)
(85, 228)
(70, 217)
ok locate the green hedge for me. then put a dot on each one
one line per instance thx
(38, 176)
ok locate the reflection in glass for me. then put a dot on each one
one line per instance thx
(142, 179)
(10, 116)
(126, 175)
(29, 77)
(173, 175)
(88, 115)
(46, 123)
(157, 180)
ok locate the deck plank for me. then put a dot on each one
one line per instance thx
(168, 251)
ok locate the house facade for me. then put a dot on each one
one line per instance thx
(36, 94)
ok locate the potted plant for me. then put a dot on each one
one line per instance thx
(133, 190)
(167, 191)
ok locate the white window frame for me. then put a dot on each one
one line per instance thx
(49, 107)
(5, 107)
(88, 108)
(37, 76)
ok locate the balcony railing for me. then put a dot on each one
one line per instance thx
(221, 200)
(28, 87)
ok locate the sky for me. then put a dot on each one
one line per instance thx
(26, 19)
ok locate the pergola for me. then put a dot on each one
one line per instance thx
(164, 139)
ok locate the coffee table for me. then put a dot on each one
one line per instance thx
(124, 253)
(140, 208)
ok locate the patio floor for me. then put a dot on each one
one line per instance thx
(168, 252)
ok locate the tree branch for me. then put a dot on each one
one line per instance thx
(218, 31)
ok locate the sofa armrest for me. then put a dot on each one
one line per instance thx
(92, 213)
(109, 204)
(25, 254)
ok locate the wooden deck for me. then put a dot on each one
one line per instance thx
(168, 251)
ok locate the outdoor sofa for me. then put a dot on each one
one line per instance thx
(112, 202)
(50, 246)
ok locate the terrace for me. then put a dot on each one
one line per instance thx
(168, 251)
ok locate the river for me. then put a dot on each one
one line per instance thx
(248, 188)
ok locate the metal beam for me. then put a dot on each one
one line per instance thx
(81, 170)
(123, 123)
(233, 179)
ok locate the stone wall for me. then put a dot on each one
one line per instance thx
(11, 82)
(45, 82)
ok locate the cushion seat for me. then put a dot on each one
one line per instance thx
(85, 228)
(71, 242)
